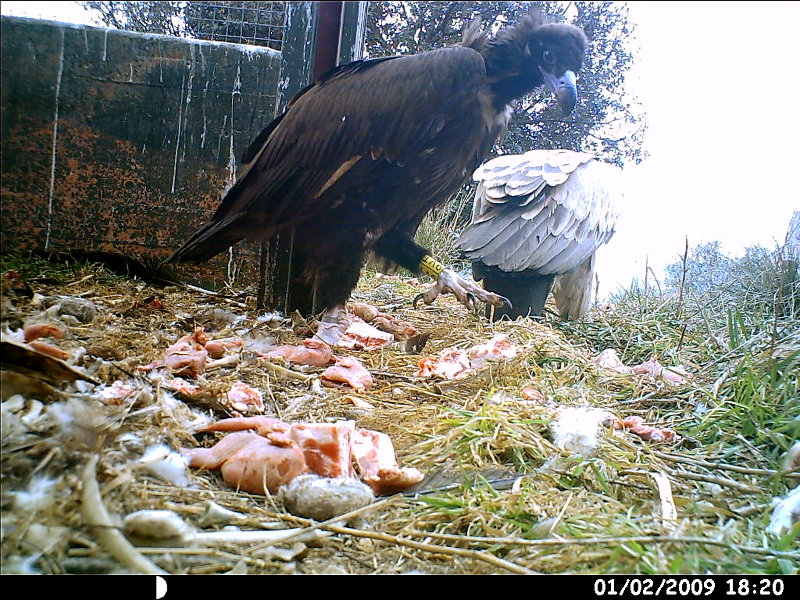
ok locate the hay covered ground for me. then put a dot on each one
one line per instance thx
(500, 495)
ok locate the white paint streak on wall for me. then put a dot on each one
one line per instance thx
(237, 90)
(203, 101)
(55, 143)
(178, 138)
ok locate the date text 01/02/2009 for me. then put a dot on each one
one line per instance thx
(710, 586)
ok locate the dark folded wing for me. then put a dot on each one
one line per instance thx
(383, 109)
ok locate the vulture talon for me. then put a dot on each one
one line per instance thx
(468, 293)
(416, 344)
(417, 298)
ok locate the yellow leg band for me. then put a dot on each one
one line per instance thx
(431, 267)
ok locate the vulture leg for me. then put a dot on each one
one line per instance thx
(399, 247)
(324, 268)
(527, 292)
(467, 292)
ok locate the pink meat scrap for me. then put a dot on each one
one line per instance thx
(277, 452)
(636, 425)
(497, 348)
(450, 363)
(187, 357)
(347, 372)
(313, 352)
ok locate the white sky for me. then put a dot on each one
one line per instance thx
(719, 85)
(68, 12)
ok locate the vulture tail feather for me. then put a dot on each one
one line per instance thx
(209, 241)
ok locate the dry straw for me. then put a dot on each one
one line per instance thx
(501, 497)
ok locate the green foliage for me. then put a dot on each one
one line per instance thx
(724, 316)
(739, 296)
(53, 269)
(411, 27)
(145, 17)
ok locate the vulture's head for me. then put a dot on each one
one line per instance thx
(530, 54)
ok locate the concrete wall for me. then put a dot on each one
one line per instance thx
(122, 142)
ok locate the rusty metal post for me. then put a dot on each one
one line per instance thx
(319, 36)
(326, 52)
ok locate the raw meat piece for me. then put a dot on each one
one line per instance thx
(183, 387)
(450, 363)
(33, 332)
(401, 330)
(654, 369)
(217, 348)
(373, 453)
(497, 348)
(49, 349)
(636, 425)
(263, 425)
(326, 446)
(362, 336)
(187, 356)
(251, 462)
(531, 393)
(242, 397)
(608, 359)
(646, 432)
(116, 393)
(315, 353)
(363, 310)
(328, 450)
(347, 371)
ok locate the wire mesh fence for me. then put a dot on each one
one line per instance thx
(256, 23)
(239, 22)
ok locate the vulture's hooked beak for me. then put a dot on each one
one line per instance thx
(564, 88)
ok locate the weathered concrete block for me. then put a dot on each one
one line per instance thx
(122, 142)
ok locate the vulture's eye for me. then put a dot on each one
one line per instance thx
(548, 57)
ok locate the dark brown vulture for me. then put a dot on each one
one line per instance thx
(538, 218)
(361, 155)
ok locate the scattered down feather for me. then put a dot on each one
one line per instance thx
(538, 217)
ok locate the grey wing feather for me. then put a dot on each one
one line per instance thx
(549, 210)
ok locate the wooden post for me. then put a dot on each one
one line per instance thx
(353, 32)
(319, 36)
(297, 52)
(297, 58)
